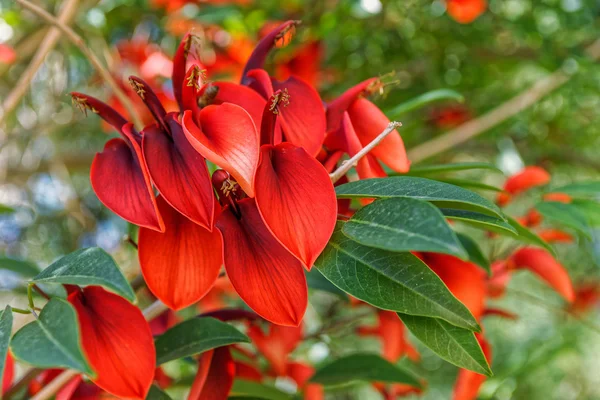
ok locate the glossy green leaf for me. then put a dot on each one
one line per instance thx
(403, 224)
(315, 280)
(196, 335)
(567, 215)
(21, 267)
(423, 100)
(420, 170)
(156, 393)
(439, 193)
(52, 341)
(91, 266)
(389, 280)
(478, 220)
(455, 345)
(363, 367)
(476, 256)
(6, 322)
(580, 189)
(469, 184)
(249, 389)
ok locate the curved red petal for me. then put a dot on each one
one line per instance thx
(247, 372)
(240, 95)
(465, 11)
(150, 99)
(296, 199)
(555, 236)
(106, 112)
(543, 264)
(392, 335)
(115, 337)
(277, 344)
(180, 265)
(558, 197)
(226, 136)
(260, 81)
(179, 70)
(265, 275)
(179, 172)
(368, 122)
(337, 108)
(9, 373)
(303, 119)
(122, 183)
(214, 378)
(259, 55)
(527, 178)
(468, 382)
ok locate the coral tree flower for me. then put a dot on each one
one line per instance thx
(527, 178)
(465, 11)
(9, 371)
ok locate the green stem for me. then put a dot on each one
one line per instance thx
(20, 310)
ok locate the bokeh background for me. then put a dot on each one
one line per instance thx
(46, 145)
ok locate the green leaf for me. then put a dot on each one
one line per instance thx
(468, 184)
(363, 367)
(6, 209)
(21, 267)
(196, 335)
(389, 280)
(91, 266)
(590, 210)
(423, 100)
(455, 345)
(317, 281)
(52, 341)
(419, 170)
(525, 235)
(248, 389)
(567, 215)
(439, 193)
(481, 221)
(6, 321)
(476, 256)
(580, 189)
(403, 224)
(156, 393)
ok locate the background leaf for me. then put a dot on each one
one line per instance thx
(249, 389)
(476, 256)
(420, 170)
(580, 189)
(316, 280)
(196, 335)
(423, 100)
(391, 281)
(568, 215)
(21, 267)
(84, 267)
(156, 393)
(52, 341)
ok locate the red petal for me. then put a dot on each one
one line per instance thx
(181, 264)
(106, 112)
(368, 121)
(337, 108)
(247, 372)
(465, 11)
(226, 136)
(179, 172)
(555, 236)
(265, 275)
(259, 55)
(526, 179)
(179, 67)
(117, 341)
(543, 264)
(214, 378)
(558, 197)
(122, 183)
(465, 280)
(301, 373)
(240, 95)
(150, 99)
(468, 382)
(9, 371)
(303, 119)
(296, 200)
(277, 344)
(261, 82)
(392, 335)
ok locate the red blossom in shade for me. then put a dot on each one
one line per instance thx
(276, 344)
(9, 372)
(587, 297)
(248, 372)
(216, 370)
(115, 336)
(450, 116)
(465, 11)
(555, 236)
(301, 373)
(8, 55)
(558, 197)
(393, 336)
(543, 264)
(527, 178)
(468, 382)
(497, 283)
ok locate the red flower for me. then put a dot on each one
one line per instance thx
(468, 382)
(115, 336)
(465, 11)
(527, 178)
(393, 336)
(558, 197)
(301, 373)
(276, 344)
(216, 370)
(555, 236)
(9, 372)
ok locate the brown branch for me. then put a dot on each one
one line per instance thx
(12, 99)
(79, 43)
(499, 114)
(347, 165)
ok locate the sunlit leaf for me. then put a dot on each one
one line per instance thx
(423, 100)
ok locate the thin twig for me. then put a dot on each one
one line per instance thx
(339, 324)
(22, 383)
(79, 43)
(16, 94)
(347, 165)
(498, 115)
(151, 312)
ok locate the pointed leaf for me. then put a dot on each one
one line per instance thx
(196, 335)
(245, 389)
(53, 340)
(476, 256)
(92, 266)
(363, 367)
(403, 224)
(439, 193)
(527, 236)
(6, 322)
(391, 281)
(423, 100)
(420, 170)
(580, 189)
(568, 215)
(481, 221)
(455, 345)
(156, 393)
(21, 267)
